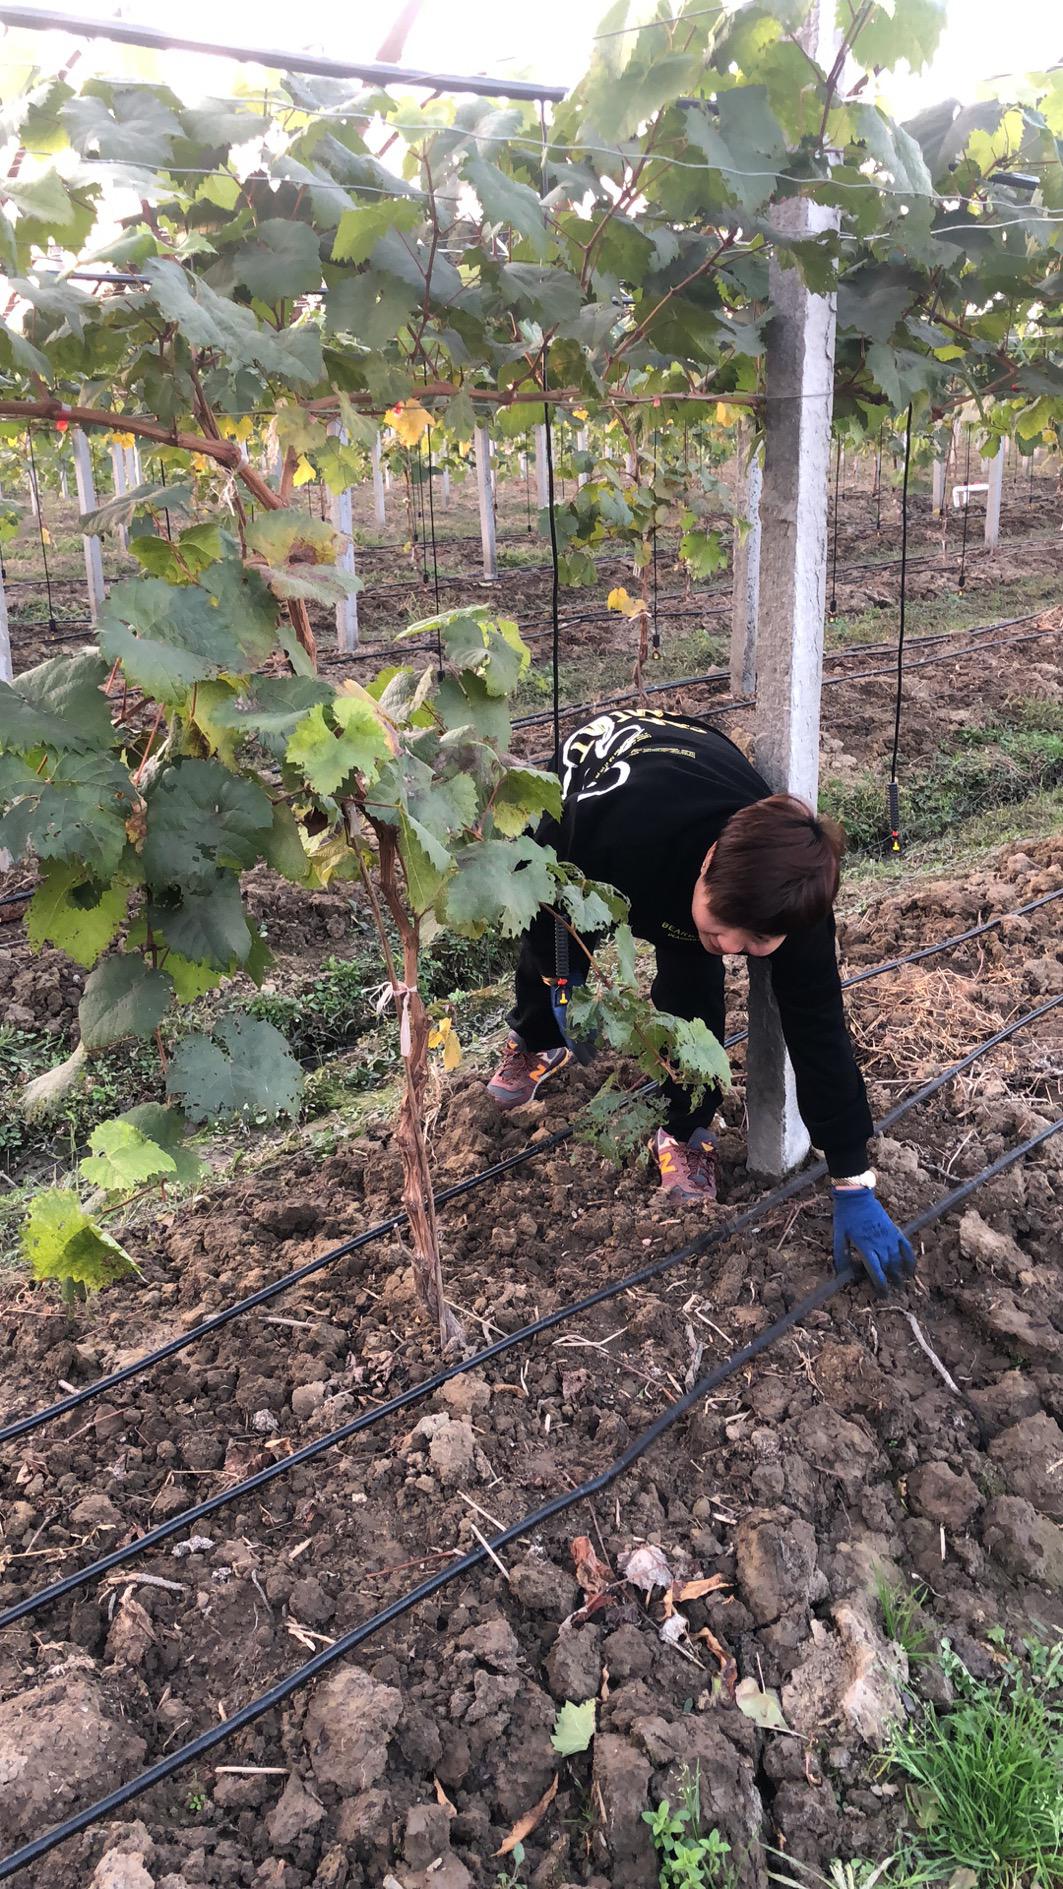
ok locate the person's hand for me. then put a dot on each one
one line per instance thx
(861, 1220)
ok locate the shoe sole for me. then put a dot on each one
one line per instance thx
(505, 1098)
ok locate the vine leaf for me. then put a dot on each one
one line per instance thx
(247, 1069)
(123, 1157)
(525, 794)
(281, 260)
(201, 818)
(57, 705)
(209, 320)
(326, 755)
(122, 998)
(499, 882)
(60, 1241)
(71, 912)
(360, 229)
(207, 927)
(76, 813)
(574, 1727)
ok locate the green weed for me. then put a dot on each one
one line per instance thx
(985, 1778)
(687, 1859)
(901, 1608)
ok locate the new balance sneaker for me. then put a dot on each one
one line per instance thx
(521, 1073)
(688, 1168)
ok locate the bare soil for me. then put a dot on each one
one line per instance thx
(841, 1452)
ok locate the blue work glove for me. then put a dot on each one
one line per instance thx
(860, 1218)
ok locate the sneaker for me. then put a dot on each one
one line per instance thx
(688, 1168)
(522, 1072)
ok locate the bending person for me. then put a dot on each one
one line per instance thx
(671, 813)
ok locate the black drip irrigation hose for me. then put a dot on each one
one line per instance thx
(293, 1682)
(21, 1426)
(694, 1249)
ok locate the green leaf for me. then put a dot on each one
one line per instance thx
(201, 818)
(58, 704)
(167, 638)
(425, 863)
(574, 1727)
(370, 307)
(75, 914)
(762, 1706)
(277, 704)
(283, 847)
(167, 1127)
(77, 814)
(282, 260)
(499, 882)
(137, 125)
(508, 202)
(280, 535)
(119, 511)
(743, 140)
(60, 1241)
(898, 29)
(123, 1157)
(207, 927)
(361, 228)
(247, 1069)
(591, 906)
(327, 755)
(525, 794)
(893, 147)
(122, 998)
(464, 702)
(901, 374)
(208, 320)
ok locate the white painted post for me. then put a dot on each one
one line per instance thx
(341, 515)
(387, 478)
(937, 496)
(379, 511)
(445, 484)
(134, 474)
(582, 446)
(86, 492)
(35, 494)
(486, 497)
(118, 468)
(793, 572)
(993, 498)
(64, 490)
(6, 675)
(745, 586)
(542, 482)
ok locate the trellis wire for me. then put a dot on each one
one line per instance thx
(255, 1709)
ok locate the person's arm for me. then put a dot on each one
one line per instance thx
(833, 1101)
(830, 1089)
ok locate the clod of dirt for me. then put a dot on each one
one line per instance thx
(131, 1634)
(574, 1663)
(116, 1871)
(621, 1787)
(1028, 1544)
(544, 1588)
(776, 1554)
(1031, 1457)
(854, 1673)
(95, 1511)
(307, 1398)
(427, 1834)
(1007, 1401)
(983, 1244)
(294, 1815)
(451, 1874)
(836, 1446)
(937, 1492)
(61, 1744)
(452, 1449)
(348, 1727)
(1000, 1312)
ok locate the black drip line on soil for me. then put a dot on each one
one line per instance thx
(22, 1426)
(293, 1682)
(52, 624)
(894, 788)
(778, 1196)
(966, 510)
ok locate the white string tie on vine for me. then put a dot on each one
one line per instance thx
(400, 995)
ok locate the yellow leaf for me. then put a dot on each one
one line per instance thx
(409, 421)
(580, 413)
(725, 415)
(452, 1051)
(46, 536)
(628, 606)
(122, 439)
(304, 471)
(200, 462)
(244, 427)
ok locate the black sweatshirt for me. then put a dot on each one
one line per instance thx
(645, 796)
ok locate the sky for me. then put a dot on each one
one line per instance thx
(551, 40)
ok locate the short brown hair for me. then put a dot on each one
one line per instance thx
(775, 867)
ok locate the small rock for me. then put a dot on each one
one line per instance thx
(309, 1602)
(196, 1544)
(626, 1655)
(307, 1398)
(131, 1634)
(348, 1727)
(333, 1870)
(452, 1452)
(466, 1396)
(95, 1511)
(494, 1644)
(294, 1815)
(574, 1663)
(263, 1422)
(118, 1871)
(854, 1673)
(427, 1834)
(944, 1497)
(1026, 1543)
(776, 1555)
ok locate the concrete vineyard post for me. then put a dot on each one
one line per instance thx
(542, 482)
(118, 471)
(582, 446)
(995, 475)
(379, 511)
(34, 494)
(86, 491)
(793, 572)
(745, 590)
(445, 487)
(486, 497)
(341, 517)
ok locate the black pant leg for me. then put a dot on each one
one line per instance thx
(689, 983)
(532, 1017)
